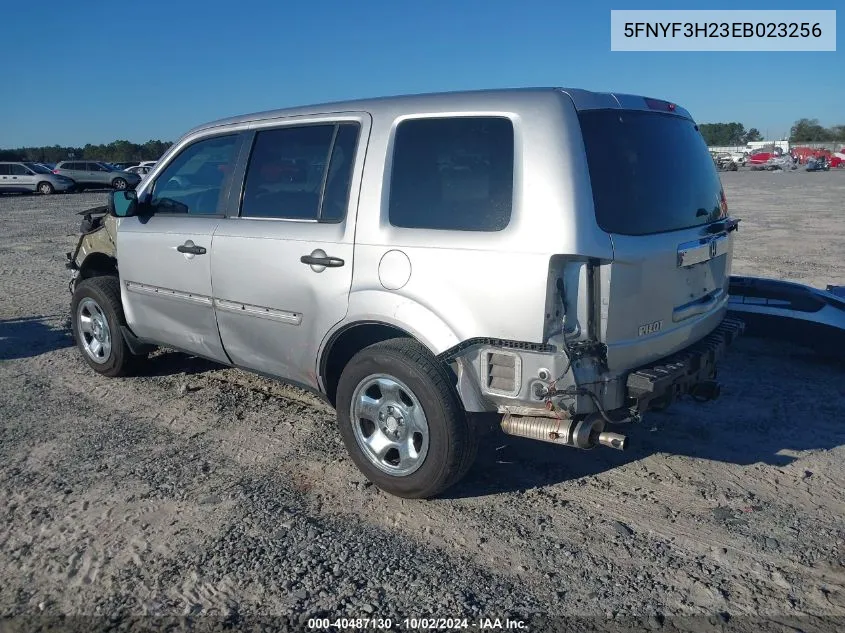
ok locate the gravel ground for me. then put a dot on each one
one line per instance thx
(203, 491)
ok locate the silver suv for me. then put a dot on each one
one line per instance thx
(90, 174)
(419, 259)
(28, 177)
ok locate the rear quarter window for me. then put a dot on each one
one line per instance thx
(452, 174)
(650, 172)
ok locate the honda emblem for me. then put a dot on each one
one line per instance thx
(713, 247)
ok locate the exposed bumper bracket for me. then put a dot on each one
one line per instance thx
(676, 375)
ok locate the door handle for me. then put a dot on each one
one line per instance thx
(327, 261)
(191, 248)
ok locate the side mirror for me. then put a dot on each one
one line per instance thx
(123, 204)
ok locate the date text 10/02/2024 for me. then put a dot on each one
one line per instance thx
(417, 624)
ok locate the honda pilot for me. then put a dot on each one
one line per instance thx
(416, 260)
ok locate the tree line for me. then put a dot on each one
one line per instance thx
(715, 134)
(802, 131)
(114, 152)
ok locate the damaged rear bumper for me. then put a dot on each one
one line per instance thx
(686, 372)
(791, 312)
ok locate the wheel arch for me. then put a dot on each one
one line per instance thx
(96, 265)
(342, 344)
(353, 336)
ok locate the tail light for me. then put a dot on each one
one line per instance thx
(55, 171)
(723, 204)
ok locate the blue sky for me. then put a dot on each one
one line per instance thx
(94, 71)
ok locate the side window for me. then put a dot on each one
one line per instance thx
(5, 170)
(452, 174)
(195, 180)
(19, 170)
(339, 178)
(300, 173)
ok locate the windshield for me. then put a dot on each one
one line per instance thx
(650, 172)
(38, 169)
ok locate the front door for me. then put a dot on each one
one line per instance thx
(97, 174)
(282, 269)
(164, 253)
(6, 177)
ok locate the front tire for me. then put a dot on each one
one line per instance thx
(401, 420)
(45, 188)
(96, 320)
(119, 184)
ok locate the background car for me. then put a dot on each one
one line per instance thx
(94, 174)
(124, 165)
(140, 170)
(725, 161)
(739, 158)
(25, 177)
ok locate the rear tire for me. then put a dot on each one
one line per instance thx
(45, 188)
(119, 184)
(96, 320)
(396, 395)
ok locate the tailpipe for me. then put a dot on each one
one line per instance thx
(585, 434)
(613, 440)
(705, 390)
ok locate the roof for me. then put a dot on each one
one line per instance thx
(458, 100)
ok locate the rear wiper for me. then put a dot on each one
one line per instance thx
(727, 225)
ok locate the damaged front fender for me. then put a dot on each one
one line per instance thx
(96, 249)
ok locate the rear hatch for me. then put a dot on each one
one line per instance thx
(658, 194)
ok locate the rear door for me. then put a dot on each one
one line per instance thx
(658, 195)
(75, 170)
(282, 265)
(165, 253)
(22, 177)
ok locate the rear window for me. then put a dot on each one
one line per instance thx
(38, 169)
(650, 172)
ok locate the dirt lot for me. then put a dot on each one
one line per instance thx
(201, 490)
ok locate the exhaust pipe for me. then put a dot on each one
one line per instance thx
(554, 430)
(585, 434)
(613, 440)
(706, 390)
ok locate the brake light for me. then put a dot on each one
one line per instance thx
(723, 204)
(659, 104)
(55, 171)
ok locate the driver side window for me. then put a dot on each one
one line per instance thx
(194, 182)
